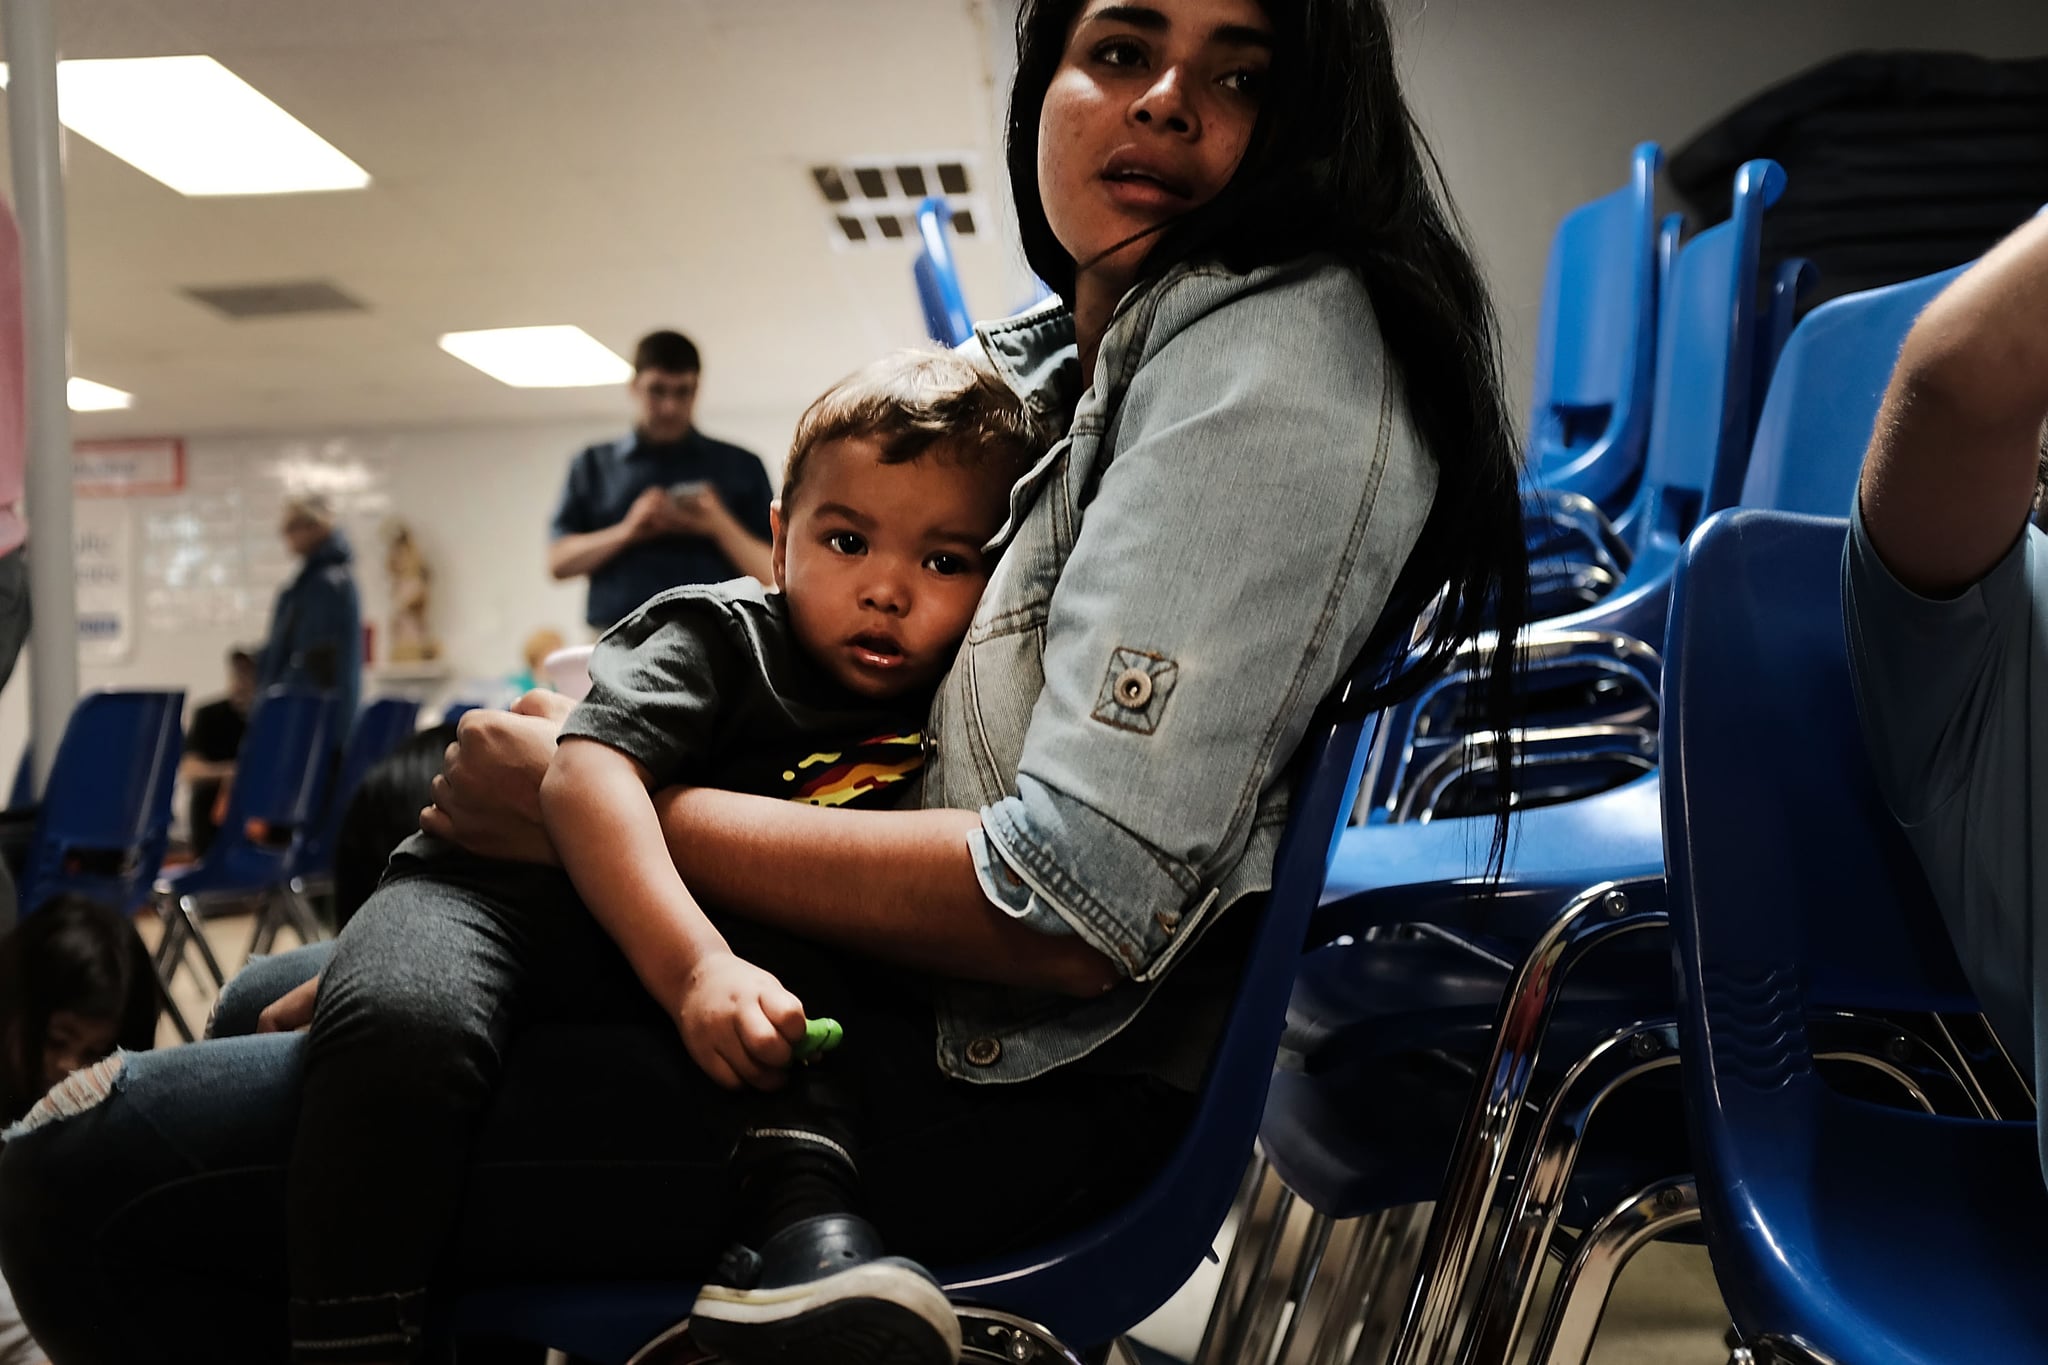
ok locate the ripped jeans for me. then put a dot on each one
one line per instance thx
(150, 1228)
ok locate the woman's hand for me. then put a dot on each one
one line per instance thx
(739, 1023)
(291, 1011)
(487, 798)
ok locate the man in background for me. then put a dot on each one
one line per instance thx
(212, 744)
(316, 628)
(665, 506)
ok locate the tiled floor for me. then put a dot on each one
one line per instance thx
(1665, 1311)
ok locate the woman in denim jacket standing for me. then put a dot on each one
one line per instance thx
(1275, 368)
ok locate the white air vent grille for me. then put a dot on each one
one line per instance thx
(873, 201)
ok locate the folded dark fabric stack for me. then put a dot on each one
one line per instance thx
(1898, 164)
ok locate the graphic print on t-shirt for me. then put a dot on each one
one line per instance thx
(868, 772)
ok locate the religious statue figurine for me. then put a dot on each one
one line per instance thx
(410, 591)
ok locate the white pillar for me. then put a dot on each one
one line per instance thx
(28, 31)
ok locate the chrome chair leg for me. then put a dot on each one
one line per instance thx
(1581, 1296)
(189, 912)
(1339, 1303)
(1428, 1334)
(1258, 1322)
(987, 1335)
(1252, 1209)
(1553, 1150)
(1402, 1254)
(1303, 1283)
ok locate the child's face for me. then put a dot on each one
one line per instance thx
(74, 1042)
(882, 563)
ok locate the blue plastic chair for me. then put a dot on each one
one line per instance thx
(309, 865)
(938, 278)
(104, 821)
(279, 779)
(1699, 433)
(1840, 1229)
(380, 728)
(1596, 342)
(1088, 1288)
(1822, 406)
(456, 710)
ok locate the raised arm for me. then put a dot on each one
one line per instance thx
(1954, 464)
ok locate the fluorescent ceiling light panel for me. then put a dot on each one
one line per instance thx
(198, 127)
(82, 395)
(560, 357)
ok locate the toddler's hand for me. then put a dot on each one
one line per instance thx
(739, 1024)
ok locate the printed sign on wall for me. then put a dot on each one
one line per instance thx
(128, 469)
(103, 536)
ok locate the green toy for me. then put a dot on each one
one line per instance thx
(820, 1037)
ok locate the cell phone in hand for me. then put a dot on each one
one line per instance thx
(689, 488)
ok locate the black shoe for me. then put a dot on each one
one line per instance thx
(820, 1291)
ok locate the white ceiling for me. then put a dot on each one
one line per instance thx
(617, 164)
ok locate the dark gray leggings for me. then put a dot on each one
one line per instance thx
(456, 1022)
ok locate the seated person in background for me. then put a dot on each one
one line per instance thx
(211, 746)
(664, 507)
(896, 481)
(535, 651)
(75, 983)
(1945, 590)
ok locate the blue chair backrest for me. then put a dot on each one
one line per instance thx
(1793, 890)
(1160, 1237)
(105, 817)
(1596, 340)
(1823, 400)
(1794, 881)
(282, 770)
(1699, 423)
(381, 727)
(938, 278)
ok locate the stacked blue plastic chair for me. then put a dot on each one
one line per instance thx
(279, 779)
(1840, 1229)
(1818, 416)
(1070, 1300)
(309, 865)
(938, 279)
(1596, 343)
(1699, 439)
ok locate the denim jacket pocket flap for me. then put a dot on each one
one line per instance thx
(1135, 689)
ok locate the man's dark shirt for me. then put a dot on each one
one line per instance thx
(602, 484)
(215, 736)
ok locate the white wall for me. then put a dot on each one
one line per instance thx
(1533, 105)
(208, 562)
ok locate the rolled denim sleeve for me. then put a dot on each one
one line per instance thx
(1262, 493)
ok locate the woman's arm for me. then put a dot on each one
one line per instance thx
(899, 885)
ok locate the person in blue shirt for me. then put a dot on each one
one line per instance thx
(1945, 591)
(664, 507)
(316, 626)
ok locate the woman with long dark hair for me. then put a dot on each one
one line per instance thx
(1273, 373)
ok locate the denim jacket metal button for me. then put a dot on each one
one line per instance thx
(1182, 578)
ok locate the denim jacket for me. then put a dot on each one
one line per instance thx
(1183, 578)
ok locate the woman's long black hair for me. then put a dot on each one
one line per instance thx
(72, 954)
(1337, 164)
